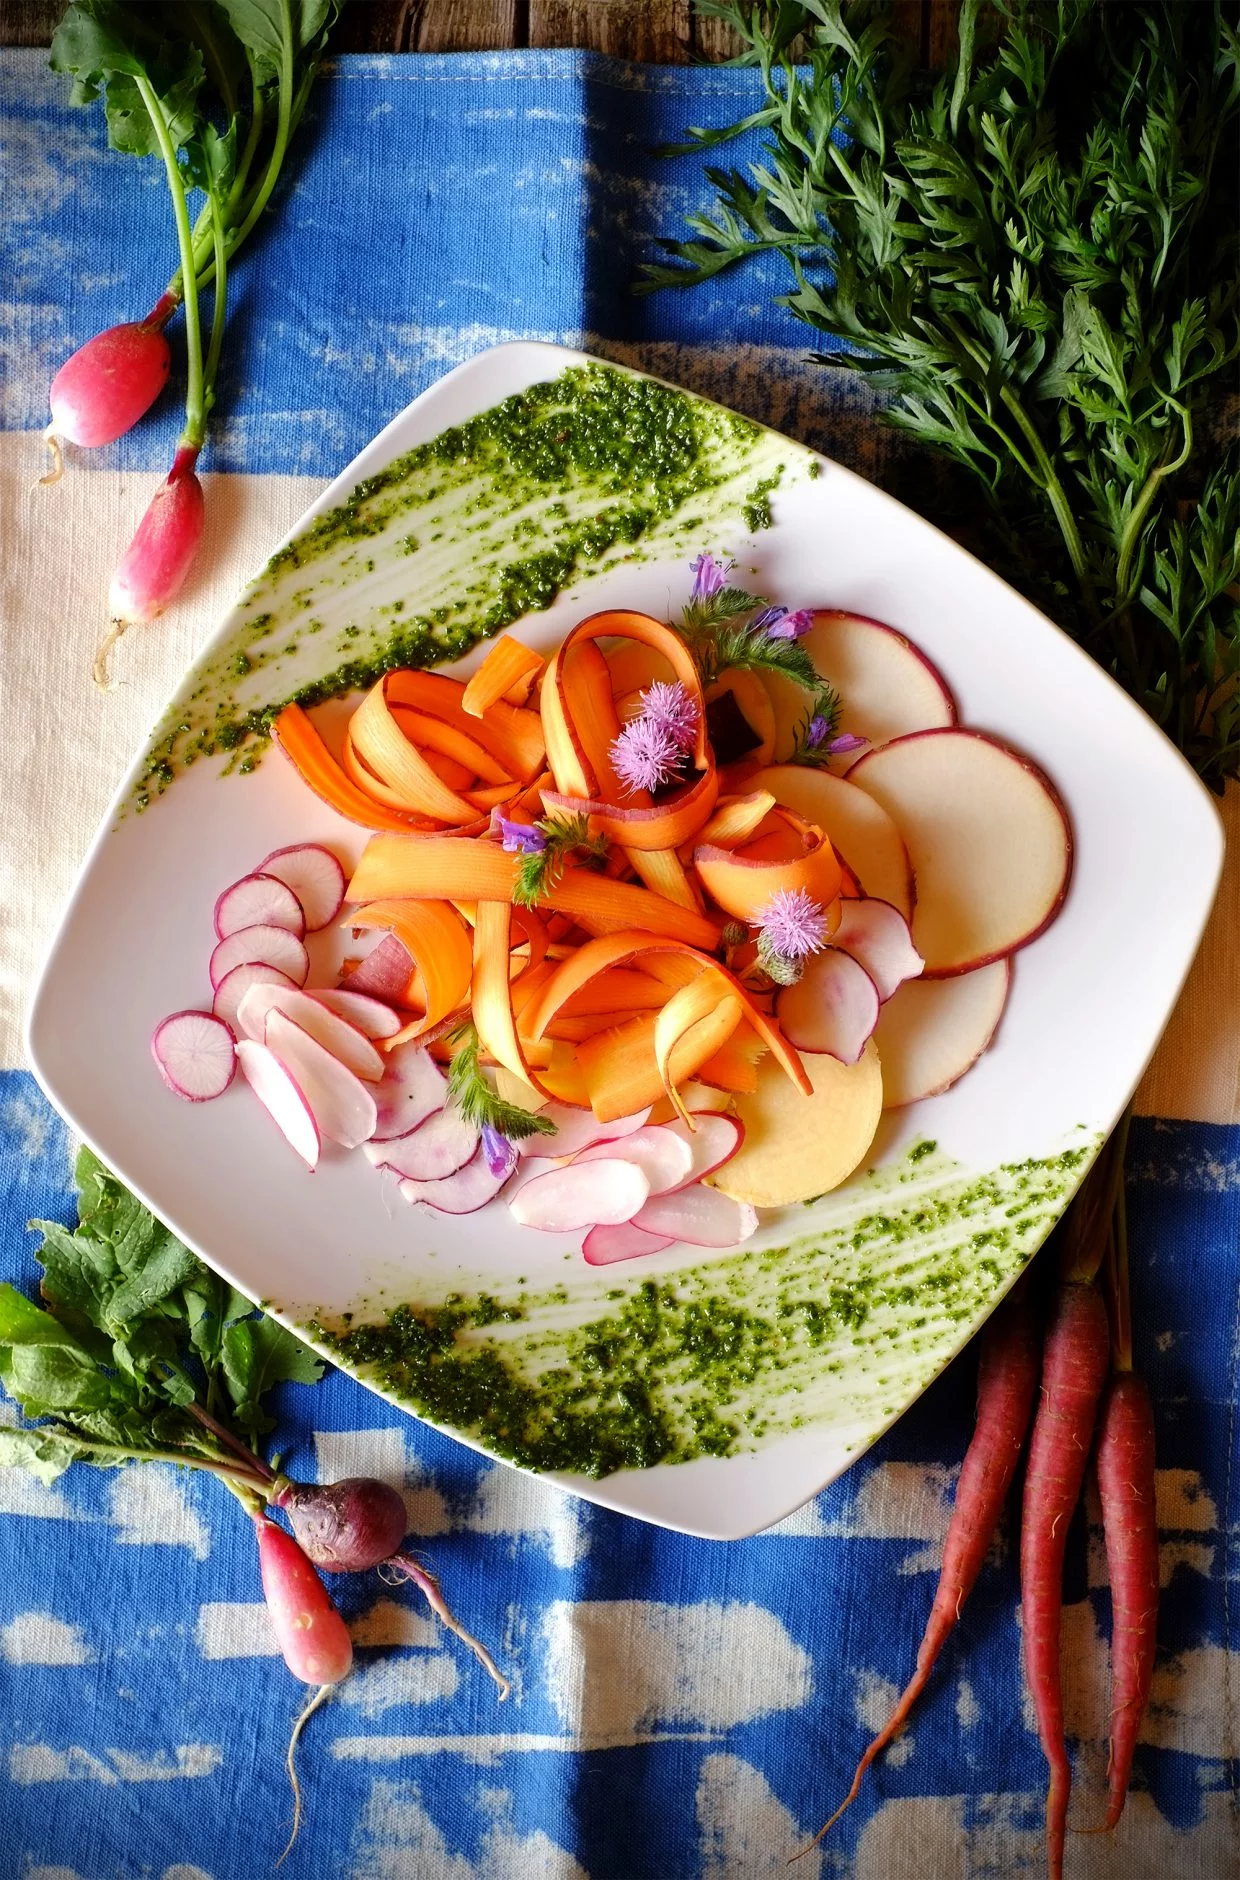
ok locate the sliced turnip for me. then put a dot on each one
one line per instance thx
(988, 839)
(384, 973)
(934, 1030)
(195, 1054)
(862, 834)
(282, 1097)
(336, 1035)
(664, 1158)
(316, 878)
(371, 1016)
(462, 1192)
(713, 1142)
(578, 1129)
(343, 1107)
(258, 901)
(604, 1245)
(442, 1144)
(413, 1088)
(234, 986)
(886, 684)
(833, 1007)
(262, 945)
(699, 1216)
(581, 1194)
(878, 938)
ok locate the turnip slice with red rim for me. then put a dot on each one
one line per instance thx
(877, 937)
(413, 1088)
(604, 1245)
(384, 973)
(699, 1216)
(581, 1194)
(440, 1146)
(665, 1159)
(371, 1016)
(195, 1054)
(343, 1107)
(282, 1097)
(263, 945)
(258, 901)
(578, 1129)
(462, 1192)
(833, 1007)
(315, 877)
(343, 1040)
(234, 986)
(714, 1142)
(886, 684)
(934, 1030)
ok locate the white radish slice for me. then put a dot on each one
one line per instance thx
(385, 971)
(343, 1040)
(666, 1160)
(886, 684)
(234, 986)
(262, 945)
(443, 1144)
(699, 1216)
(833, 1007)
(371, 1016)
(988, 839)
(714, 1142)
(282, 1097)
(578, 1129)
(195, 1054)
(862, 834)
(877, 936)
(343, 1107)
(258, 901)
(315, 877)
(934, 1030)
(604, 1245)
(581, 1194)
(413, 1088)
(462, 1192)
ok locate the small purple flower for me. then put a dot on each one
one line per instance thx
(791, 626)
(792, 924)
(501, 1156)
(709, 575)
(766, 619)
(847, 741)
(670, 707)
(518, 838)
(645, 755)
(818, 729)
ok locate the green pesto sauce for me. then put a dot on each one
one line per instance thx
(627, 1372)
(466, 534)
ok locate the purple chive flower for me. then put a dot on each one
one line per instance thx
(790, 626)
(709, 575)
(518, 838)
(501, 1157)
(847, 741)
(645, 755)
(792, 924)
(818, 729)
(671, 707)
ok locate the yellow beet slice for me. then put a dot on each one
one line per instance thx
(797, 1147)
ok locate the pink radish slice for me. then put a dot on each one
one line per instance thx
(714, 1142)
(666, 1160)
(413, 1088)
(234, 986)
(315, 877)
(195, 1054)
(384, 973)
(623, 1241)
(443, 1144)
(581, 1194)
(877, 937)
(258, 901)
(336, 1035)
(372, 1018)
(264, 946)
(578, 1129)
(342, 1106)
(468, 1189)
(282, 1097)
(833, 1007)
(700, 1216)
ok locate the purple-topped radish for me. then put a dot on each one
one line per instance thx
(196, 1055)
(315, 877)
(833, 1007)
(235, 984)
(103, 388)
(282, 1097)
(385, 971)
(258, 901)
(262, 945)
(344, 1527)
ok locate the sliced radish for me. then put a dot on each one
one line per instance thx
(714, 1142)
(384, 973)
(234, 986)
(934, 1030)
(665, 1159)
(878, 938)
(371, 1016)
(316, 878)
(833, 1007)
(581, 1194)
(462, 1192)
(578, 1129)
(263, 946)
(282, 1097)
(413, 1088)
(336, 1035)
(195, 1054)
(863, 835)
(699, 1216)
(887, 685)
(343, 1107)
(603, 1245)
(258, 901)
(443, 1144)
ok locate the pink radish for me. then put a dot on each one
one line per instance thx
(315, 877)
(264, 946)
(346, 1526)
(282, 1097)
(833, 1007)
(700, 1216)
(581, 1194)
(195, 1054)
(372, 1018)
(103, 388)
(336, 1035)
(413, 1088)
(235, 984)
(623, 1241)
(312, 1636)
(440, 1146)
(463, 1192)
(577, 1129)
(153, 568)
(666, 1160)
(876, 935)
(342, 1106)
(384, 973)
(258, 901)
(715, 1141)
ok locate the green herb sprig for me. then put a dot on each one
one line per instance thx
(568, 838)
(472, 1093)
(720, 632)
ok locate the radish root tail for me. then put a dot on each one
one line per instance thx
(307, 1711)
(99, 669)
(406, 1567)
(58, 459)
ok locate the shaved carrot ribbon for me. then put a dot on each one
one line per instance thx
(743, 882)
(662, 826)
(735, 1065)
(377, 738)
(318, 769)
(438, 940)
(736, 818)
(505, 666)
(491, 994)
(509, 732)
(699, 1021)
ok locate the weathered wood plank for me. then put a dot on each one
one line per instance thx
(372, 26)
(28, 22)
(654, 31)
(463, 25)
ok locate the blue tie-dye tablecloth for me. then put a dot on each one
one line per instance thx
(680, 1708)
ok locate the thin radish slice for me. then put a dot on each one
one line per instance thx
(234, 986)
(258, 901)
(263, 945)
(665, 1159)
(371, 1016)
(443, 1144)
(343, 1107)
(316, 878)
(581, 1194)
(336, 1035)
(877, 936)
(578, 1129)
(463, 1192)
(282, 1097)
(833, 1007)
(195, 1054)
(699, 1216)
(624, 1241)
(714, 1142)
(384, 973)
(934, 1030)
(413, 1088)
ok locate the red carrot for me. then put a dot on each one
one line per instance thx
(1125, 1464)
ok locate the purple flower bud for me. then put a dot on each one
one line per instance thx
(847, 741)
(762, 622)
(518, 838)
(818, 728)
(791, 626)
(709, 575)
(501, 1156)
